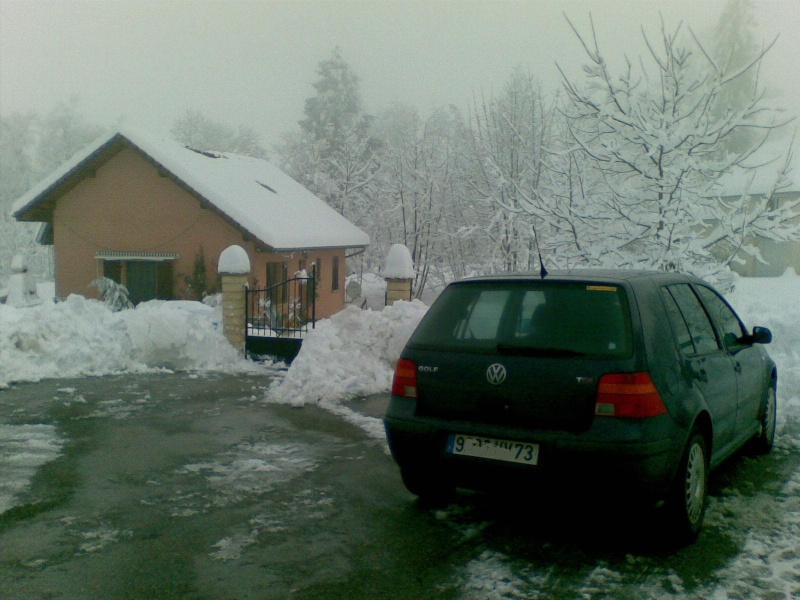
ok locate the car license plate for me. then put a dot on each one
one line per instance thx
(493, 449)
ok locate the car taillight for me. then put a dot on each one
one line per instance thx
(631, 395)
(404, 383)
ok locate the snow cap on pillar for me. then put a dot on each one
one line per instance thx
(234, 261)
(399, 264)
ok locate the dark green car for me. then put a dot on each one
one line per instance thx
(637, 381)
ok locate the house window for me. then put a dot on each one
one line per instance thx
(335, 274)
(144, 279)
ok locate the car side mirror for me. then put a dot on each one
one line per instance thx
(761, 335)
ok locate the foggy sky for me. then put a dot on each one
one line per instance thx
(144, 64)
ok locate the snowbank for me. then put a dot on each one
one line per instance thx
(351, 354)
(80, 337)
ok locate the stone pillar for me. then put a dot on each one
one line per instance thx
(233, 308)
(397, 289)
(233, 270)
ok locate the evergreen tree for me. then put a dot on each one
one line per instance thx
(735, 48)
(334, 154)
(336, 109)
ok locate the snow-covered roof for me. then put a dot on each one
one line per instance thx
(251, 192)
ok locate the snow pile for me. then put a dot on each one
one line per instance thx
(351, 354)
(80, 337)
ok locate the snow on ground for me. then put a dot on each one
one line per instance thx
(80, 337)
(23, 449)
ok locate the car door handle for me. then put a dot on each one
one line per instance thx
(737, 367)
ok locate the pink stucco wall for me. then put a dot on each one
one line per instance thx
(128, 207)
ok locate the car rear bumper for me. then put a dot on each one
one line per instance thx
(640, 467)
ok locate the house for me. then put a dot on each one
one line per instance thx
(151, 214)
(758, 183)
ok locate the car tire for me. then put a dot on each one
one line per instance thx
(762, 443)
(429, 487)
(687, 502)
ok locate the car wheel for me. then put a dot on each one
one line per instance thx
(687, 503)
(763, 441)
(430, 488)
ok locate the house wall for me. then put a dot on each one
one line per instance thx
(126, 206)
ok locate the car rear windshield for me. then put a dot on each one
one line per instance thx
(536, 318)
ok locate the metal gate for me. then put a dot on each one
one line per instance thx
(278, 317)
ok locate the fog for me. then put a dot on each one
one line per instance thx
(144, 64)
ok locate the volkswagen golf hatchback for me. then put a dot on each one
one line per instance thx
(630, 383)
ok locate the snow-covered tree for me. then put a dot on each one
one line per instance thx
(332, 114)
(198, 132)
(31, 147)
(334, 153)
(652, 133)
(510, 134)
(61, 133)
(422, 184)
(734, 46)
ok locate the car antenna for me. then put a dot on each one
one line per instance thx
(542, 270)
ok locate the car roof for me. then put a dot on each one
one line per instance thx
(605, 275)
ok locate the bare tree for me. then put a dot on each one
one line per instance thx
(421, 186)
(32, 146)
(510, 136)
(195, 130)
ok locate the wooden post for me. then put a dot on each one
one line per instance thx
(234, 269)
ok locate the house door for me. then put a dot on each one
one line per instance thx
(142, 281)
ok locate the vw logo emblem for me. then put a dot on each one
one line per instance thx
(496, 374)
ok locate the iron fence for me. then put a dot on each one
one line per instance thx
(286, 309)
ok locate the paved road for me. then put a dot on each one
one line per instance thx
(178, 486)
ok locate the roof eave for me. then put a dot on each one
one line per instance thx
(309, 248)
(40, 207)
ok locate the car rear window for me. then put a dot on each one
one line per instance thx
(529, 318)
